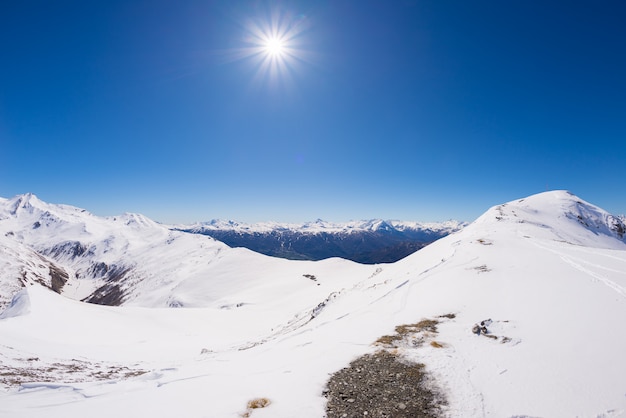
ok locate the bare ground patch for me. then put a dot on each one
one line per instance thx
(28, 370)
(384, 384)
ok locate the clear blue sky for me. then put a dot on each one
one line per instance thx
(405, 109)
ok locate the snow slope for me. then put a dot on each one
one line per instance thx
(548, 270)
(131, 260)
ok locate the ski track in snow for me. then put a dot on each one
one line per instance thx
(596, 276)
(609, 283)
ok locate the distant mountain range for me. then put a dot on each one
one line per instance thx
(368, 242)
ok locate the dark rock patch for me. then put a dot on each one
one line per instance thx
(58, 278)
(71, 249)
(381, 385)
(109, 294)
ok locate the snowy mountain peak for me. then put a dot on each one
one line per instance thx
(134, 220)
(28, 207)
(565, 215)
(380, 225)
(25, 202)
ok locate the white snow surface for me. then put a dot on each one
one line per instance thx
(548, 270)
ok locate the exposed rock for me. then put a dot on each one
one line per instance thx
(381, 385)
(58, 278)
(482, 327)
(384, 384)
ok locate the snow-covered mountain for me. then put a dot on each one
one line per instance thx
(320, 226)
(129, 259)
(370, 242)
(518, 314)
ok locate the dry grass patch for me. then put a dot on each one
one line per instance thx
(256, 403)
(71, 371)
(429, 325)
(426, 326)
(413, 334)
(388, 340)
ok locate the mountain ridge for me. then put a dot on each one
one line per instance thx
(119, 260)
(319, 225)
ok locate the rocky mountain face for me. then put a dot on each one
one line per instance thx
(367, 242)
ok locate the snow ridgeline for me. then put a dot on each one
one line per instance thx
(549, 271)
(132, 261)
(320, 226)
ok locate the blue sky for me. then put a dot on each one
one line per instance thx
(407, 109)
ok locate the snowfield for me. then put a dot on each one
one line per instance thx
(545, 274)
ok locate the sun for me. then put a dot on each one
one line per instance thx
(275, 47)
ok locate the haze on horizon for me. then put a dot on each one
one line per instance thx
(297, 110)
